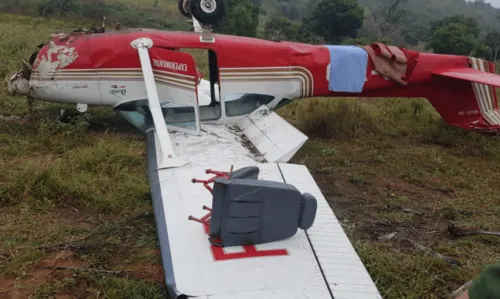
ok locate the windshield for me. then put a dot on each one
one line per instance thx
(177, 115)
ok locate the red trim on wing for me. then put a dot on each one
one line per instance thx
(249, 252)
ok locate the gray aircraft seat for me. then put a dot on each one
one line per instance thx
(251, 173)
(248, 211)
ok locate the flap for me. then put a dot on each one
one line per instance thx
(276, 139)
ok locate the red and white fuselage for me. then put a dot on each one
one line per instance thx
(103, 69)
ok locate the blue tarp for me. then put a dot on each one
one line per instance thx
(347, 68)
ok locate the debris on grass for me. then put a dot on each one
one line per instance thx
(388, 237)
(463, 232)
(457, 293)
(14, 119)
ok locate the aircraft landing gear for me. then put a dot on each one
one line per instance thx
(207, 12)
(183, 6)
(82, 108)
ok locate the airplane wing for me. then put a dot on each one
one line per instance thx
(469, 74)
(318, 263)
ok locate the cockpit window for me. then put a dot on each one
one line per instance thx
(245, 103)
(176, 115)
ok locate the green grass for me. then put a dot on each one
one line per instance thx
(385, 165)
(63, 182)
(165, 6)
(391, 165)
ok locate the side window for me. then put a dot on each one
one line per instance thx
(238, 104)
(179, 115)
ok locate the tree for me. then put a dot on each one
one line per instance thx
(470, 24)
(242, 18)
(290, 10)
(336, 20)
(453, 38)
(256, 2)
(390, 18)
(415, 34)
(57, 7)
(281, 28)
(364, 41)
(492, 40)
(459, 35)
(304, 35)
(482, 51)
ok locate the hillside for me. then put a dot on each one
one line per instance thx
(424, 11)
(421, 11)
(164, 14)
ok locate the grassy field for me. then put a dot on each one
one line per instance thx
(74, 198)
(82, 184)
(387, 170)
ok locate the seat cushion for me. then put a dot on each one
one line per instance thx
(309, 206)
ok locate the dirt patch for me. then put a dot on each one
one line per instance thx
(377, 203)
(147, 272)
(41, 274)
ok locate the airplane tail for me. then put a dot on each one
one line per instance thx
(467, 97)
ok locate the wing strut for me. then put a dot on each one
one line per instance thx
(168, 157)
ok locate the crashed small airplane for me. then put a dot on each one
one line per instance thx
(269, 232)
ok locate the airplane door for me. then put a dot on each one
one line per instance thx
(176, 80)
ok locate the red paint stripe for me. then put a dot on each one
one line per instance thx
(249, 252)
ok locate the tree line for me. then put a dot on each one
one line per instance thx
(308, 21)
(348, 22)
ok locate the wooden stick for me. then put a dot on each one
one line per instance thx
(461, 289)
(15, 288)
(462, 232)
(73, 243)
(117, 273)
(438, 255)
(410, 211)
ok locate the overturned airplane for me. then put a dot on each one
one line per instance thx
(263, 229)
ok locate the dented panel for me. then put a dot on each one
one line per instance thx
(61, 72)
(275, 138)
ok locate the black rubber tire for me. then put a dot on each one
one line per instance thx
(208, 18)
(180, 5)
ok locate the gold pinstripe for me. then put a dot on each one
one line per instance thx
(263, 74)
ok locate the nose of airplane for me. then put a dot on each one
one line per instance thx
(18, 85)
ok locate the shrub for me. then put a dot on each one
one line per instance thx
(338, 119)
